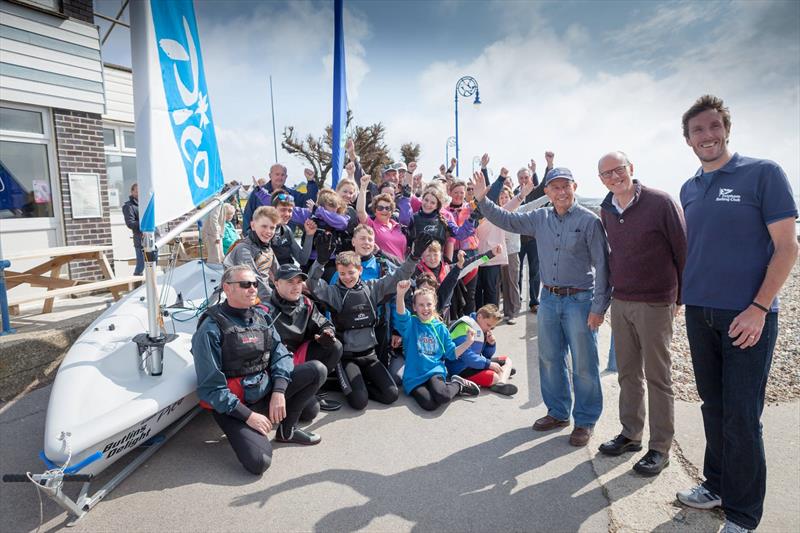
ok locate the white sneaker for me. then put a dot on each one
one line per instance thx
(699, 497)
(468, 388)
(730, 527)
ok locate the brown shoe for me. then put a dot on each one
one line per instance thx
(534, 309)
(546, 423)
(580, 436)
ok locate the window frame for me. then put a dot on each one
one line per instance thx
(47, 139)
(119, 150)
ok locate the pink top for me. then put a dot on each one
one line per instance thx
(389, 238)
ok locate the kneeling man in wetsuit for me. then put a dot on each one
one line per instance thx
(244, 370)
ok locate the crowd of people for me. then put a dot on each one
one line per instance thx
(395, 284)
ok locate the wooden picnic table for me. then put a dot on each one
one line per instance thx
(48, 274)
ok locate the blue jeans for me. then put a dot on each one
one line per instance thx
(137, 271)
(529, 249)
(562, 326)
(731, 382)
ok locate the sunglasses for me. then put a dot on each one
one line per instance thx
(283, 197)
(244, 284)
(383, 208)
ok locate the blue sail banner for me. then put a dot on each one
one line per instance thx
(177, 163)
(339, 93)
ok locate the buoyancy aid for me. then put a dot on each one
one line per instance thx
(432, 224)
(469, 321)
(290, 326)
(245, 349)
(357, 312)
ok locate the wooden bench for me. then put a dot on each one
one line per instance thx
(117, 287)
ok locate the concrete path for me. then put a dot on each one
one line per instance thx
(476, 466)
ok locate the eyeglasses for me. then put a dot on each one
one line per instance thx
(619, 171)
(383, 208)
(244, 284)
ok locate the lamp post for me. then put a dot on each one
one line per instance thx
(451, 141)
(465, 86)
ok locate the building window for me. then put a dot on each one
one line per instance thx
(25, 157)
(109, 137)
(129, 139)
(120, 164)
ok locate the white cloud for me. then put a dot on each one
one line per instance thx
(537, 96)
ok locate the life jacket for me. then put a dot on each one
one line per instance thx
(358, 310)
(461, 215)
(469, 321)
(275, 312)
(245, 349)
(432, 225)
(262, 255)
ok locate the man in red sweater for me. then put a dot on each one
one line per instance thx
(647, 235)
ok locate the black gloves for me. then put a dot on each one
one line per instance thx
(405, 192)
(326, 337)
(323, 244)
(419, 245)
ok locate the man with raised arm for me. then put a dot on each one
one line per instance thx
(573, 266)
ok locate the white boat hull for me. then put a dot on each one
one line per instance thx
(102, 404)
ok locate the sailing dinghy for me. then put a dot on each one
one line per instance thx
(130, 376)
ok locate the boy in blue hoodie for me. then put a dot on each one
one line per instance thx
(479, 363)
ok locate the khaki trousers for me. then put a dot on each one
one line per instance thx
(509, 275)
(642, 335)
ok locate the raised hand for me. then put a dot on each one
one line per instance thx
(309, 174)
(412, 166)
(504, 172)
(549, 158)
(442, 169)
(470, 336)
(532, 166)
(402, 288)
(526, 189)
(365, 179)
(485, 160)
(478, 186)
(310, 226)
(461, 257)
(350, 148)
(350, 168)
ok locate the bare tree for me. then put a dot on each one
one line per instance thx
(316, 151)
(410, 152)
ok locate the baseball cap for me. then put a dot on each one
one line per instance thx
(558, 172)
(289, 271)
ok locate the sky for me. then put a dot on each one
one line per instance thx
(580, 78)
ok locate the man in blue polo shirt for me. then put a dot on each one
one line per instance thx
(742, 244)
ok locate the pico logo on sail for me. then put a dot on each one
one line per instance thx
(178, 163)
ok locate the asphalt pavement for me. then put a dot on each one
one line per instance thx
(474, 466)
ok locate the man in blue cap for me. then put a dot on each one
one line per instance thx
(573, 268)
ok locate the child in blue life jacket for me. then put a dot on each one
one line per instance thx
(427, 345)
(479, 363)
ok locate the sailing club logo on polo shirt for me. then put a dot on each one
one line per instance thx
(726, 195)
